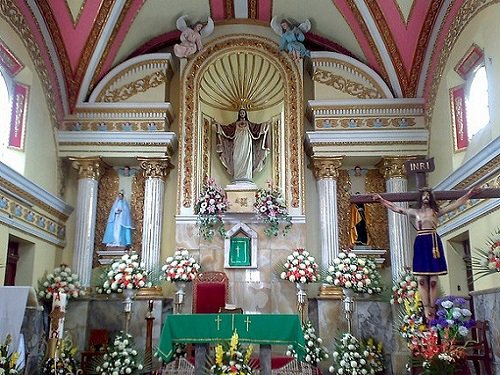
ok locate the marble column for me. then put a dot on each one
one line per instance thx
(156, 171)
(394, 171)
(89, 171)
(325, 170)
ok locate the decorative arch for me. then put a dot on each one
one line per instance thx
(291, 163)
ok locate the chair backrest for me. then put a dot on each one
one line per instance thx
(98, 339)
(235, 310)
(210, 290)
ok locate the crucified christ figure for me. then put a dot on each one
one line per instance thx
(428, 254)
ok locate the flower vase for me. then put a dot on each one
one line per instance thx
(348, 299)
(301, 299)
(179, 296)
(129, 295)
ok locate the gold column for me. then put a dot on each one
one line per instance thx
(90, 169)
(156, 170)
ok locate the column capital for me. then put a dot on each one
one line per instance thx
(89, 167)
(325, 167)
(393, 167)
(156, 167)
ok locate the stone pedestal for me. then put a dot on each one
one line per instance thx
(242, 197)
(89, 313)
(371, 318)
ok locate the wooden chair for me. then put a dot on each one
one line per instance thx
(210, 291)
(235, 310)
(98, 342)
(478, 349)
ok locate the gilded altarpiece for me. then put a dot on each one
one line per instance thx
(287, 162)
(344, 220)
(376, 213)
(137, 209)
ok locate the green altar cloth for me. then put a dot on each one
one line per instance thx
(270, 329)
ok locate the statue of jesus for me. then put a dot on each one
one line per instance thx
(243, 147)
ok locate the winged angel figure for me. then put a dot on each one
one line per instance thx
(191, 36)
(292, 36)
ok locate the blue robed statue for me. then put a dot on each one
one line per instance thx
(119, 226)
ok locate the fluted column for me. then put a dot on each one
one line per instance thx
(325, 170)
(394, 172)
(156, 171)
(89, 172)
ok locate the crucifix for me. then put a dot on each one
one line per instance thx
(428, 253)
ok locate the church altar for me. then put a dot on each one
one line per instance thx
(263, 329)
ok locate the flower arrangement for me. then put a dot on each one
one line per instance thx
(61, 280)
(411, 318)
(404, 287)
(125, 273)
(300, 267)
(211, 204)
(315, 352)
(350, 272)
(65, 363)
(349, 358)
(230, 358)
(180, 267)
(8, 359)
(438, 353)
(121, 357)
(453, 317)
(270, 207)
(375, 354)
(488, 262)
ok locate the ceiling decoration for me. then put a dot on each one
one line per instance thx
(241, 80)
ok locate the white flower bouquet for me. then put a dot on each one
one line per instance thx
(180, 267)
(270, 208)
(350, 272)
(125, 273)
(211, 204)
(488, 261)
(349, 358)
(61, 280)
(300, 267)
(121, 357)
(315, 352)
(404, 287)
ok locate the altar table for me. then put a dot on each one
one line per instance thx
(263, 329)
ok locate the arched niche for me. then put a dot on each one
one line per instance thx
(288, 164)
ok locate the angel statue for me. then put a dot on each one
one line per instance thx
(191, 36)
(292, 36)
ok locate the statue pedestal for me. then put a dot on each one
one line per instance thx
(242, 197)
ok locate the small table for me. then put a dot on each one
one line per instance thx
(262, 329)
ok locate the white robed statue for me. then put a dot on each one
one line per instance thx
(119, 227)
(243, 147)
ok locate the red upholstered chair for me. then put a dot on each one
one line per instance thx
(98, 342)
(209, 292)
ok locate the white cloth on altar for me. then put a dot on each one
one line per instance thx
(13, 302)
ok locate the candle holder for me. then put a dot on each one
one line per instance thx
(348, 300)
(129, 295)
(180, 295)
(301, 300)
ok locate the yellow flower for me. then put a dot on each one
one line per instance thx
(234, 343)
(219, 353)
(248, 353)
(13, 359)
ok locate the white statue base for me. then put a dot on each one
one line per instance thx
(242, 197)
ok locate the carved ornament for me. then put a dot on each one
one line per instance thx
(326, 167)
(92, 167)
(142, 84)
(393, 167)
(347, 86)
(156, 167)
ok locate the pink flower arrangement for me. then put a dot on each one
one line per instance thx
(404, 288)
(61, 280)
(270, 208)
(180, 267)
(488, 261)
(211, 204)
(300, 267)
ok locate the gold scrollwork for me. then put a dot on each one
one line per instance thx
(137, 208)
(343, 196)
(133, 88)
(325, 167)
(156, 167)
(108, 191)
(347, 86)
(91, 167)
(393, 167)
(376, 214)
